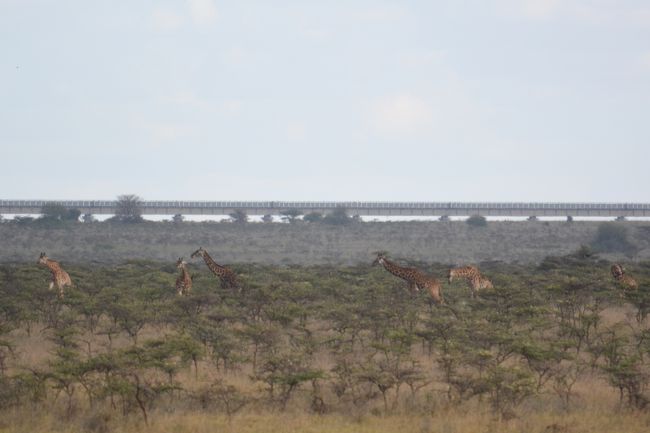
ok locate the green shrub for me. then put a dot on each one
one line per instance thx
(613, 238)
(239, 217)
(313, 217)
(337, 217)
(476, 221)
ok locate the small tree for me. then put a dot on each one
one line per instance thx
(284, 373)
(178, 218)
(291, 215)
(222, 397)
(23, 220)
(128, 209)
(612, 238)
(337, 217)
(52, 211)
(88, 218)
(476, 221)
(584, 252)
(313, 217)
(268, 218)
(239, 217)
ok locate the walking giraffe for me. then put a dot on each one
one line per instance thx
(227, 277)
(473, 276)
(416, 279)
(184, 280)
(480, 282)
(59, 276)
(626, 281)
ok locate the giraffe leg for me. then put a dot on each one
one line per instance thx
(472, 288)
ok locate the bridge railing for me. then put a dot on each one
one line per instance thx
(280, 205)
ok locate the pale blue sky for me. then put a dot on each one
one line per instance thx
(336, 100)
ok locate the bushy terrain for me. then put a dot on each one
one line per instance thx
(311, 243)
(555, 347)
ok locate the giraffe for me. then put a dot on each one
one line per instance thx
(628, 283)
(184, 280)
(473, 276)
(59, 276)
(480, 282)
(415, 278)
(227, 277)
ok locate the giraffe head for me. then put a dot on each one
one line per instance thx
(180, 263)
(198, 253)
(42, 259)
(379, 260)
(617, 270)
(450, 275)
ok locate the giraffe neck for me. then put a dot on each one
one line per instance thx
(216, 268)
(184, 274)
(394, 269)
(53, 266)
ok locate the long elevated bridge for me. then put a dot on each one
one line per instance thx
(367, 208)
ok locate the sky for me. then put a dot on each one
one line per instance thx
(474, 100)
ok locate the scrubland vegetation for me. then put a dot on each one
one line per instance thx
(555, 347)
(309, 243)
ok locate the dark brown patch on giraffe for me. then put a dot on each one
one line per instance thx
(416, 279)
(228, 277)
(60, 278)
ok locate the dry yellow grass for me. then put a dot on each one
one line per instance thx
(594, 407)
(454, 421)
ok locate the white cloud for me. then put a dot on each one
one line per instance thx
(235, 55)
(232, 106)
(644, 61)
(419, 59)
(203, 12)
(539, 9)
(166, 19)
(596, 12)
(158, 134)
(200, 13)
(533, 9)
(295, 131)
(382, 12)
(401, 114)
(187, 99)
(164, 132)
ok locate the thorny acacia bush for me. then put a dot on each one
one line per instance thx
(319, 339)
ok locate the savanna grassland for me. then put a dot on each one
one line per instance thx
(556, 347)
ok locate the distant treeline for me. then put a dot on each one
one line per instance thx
(308, 243)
